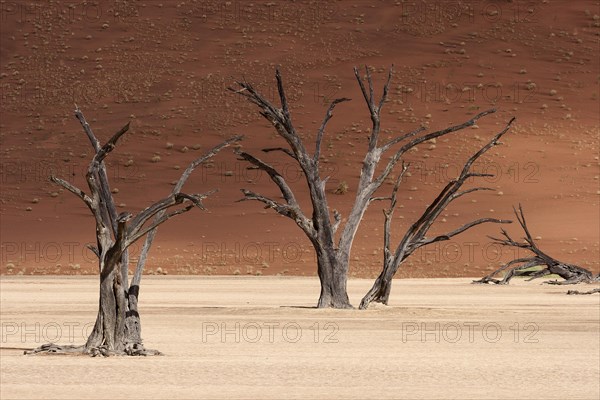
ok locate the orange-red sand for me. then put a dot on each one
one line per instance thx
(165, 67)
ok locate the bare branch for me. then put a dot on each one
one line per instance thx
(462, 229)
(276, 177)
(595, 290)
(94, 249)
(107, 212)
(386, 88)
(392, 142)
(321, 131)
(362, 87)
(279, 118)
(282, 149)
(370, 81)
(282, 96)
(151, 233)
(370, 100)
(366, 186)
(73, 189)
(283, 209)
(484, 149)
(456, 195)
(110, 145)
(523, 223)
(164, 217)
(209, 154)
(87, 129)
(388, 214)
(287, 210)
(173, 199)
(433, 135)
(450, 192)
(527, 262)
(372, 199)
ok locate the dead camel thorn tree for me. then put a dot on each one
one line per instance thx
(414, 237)
(321, 227)
(572, 274)
(118, 329)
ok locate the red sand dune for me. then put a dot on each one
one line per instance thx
(165, 67)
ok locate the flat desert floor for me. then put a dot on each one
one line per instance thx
(259, 337)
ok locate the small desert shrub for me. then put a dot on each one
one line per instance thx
(342, 188)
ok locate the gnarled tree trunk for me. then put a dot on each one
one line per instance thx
(333, 276)
(118, 327)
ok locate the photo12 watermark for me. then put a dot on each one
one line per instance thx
(46, 332)
(263, 254)
(19, 172)
(466, 92)
(270, 332)
(469, 332)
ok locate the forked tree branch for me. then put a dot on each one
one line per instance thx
(289, 210)
(128, 230)
(164, 217)
(73, 189)
(158, 218)
(334, 257)
(281, 120)
(415, 236)
(321, 131)
(282, 149)
(107, 211)
(275, 176)
(433, 135)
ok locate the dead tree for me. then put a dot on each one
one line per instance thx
(117, 329)
(414, 237)
(320, 227)
(572, 274)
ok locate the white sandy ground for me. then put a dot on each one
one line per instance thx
(282, 348)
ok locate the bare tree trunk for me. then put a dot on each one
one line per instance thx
(333, 279)
(109, 331)
(320, 229)
(118, 328)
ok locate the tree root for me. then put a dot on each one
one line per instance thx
(51, 348)
(597, 290)
(131, 349)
